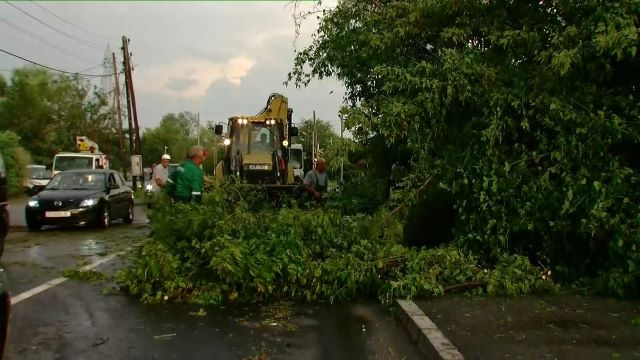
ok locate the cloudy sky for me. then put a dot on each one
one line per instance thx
(215, 58)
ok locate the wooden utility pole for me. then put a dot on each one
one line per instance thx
(342, 148)
(116, 102)
(313, 142)
(134, 131)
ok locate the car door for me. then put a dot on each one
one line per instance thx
(125, 192)
(115, 196)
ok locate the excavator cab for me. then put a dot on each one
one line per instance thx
(256, 147)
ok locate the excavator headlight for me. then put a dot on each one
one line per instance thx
(227, 142)
(285, 143)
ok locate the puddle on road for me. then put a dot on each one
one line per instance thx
(91, 247)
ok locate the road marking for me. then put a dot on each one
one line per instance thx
(55, 282)
(425, 332)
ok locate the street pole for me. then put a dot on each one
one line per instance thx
(129, 116)
(116, 102)
(131, 100)
(198, 129)
(341, 150)
(313, 142)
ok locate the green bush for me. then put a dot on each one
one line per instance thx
(224, 251)
(16, 160)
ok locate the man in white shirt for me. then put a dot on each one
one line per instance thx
(161, 173)
(316, 181)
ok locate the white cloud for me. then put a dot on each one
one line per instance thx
(216, 58)
(191, 77)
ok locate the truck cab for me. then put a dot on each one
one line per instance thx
(78, 161)
(257, 147)
(87, 157)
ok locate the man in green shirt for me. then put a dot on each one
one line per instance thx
(186, 183)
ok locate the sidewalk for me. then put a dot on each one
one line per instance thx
(551, 327)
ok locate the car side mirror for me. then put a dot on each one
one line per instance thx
(293, 131)
(218, 129)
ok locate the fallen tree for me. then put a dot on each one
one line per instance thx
(226, 251)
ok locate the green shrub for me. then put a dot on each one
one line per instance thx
(16, 160)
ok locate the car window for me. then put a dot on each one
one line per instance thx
(112, 179)
(77, 181)
(119, 180)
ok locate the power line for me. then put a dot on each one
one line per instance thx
(51, 68)
(43, 40)
(76, 39)
(68, 22)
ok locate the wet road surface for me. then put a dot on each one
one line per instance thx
(81, 319)
(538, 327)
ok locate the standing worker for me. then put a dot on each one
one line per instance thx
(186, 183)
(160, 174)
(316, 180)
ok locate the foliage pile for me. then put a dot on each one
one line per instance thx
(225, 252)
(526, 113)
(16, 160)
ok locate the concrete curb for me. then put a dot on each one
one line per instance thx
(431, 341)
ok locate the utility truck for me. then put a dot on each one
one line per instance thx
(88, 156)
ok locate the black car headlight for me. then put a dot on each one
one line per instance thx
(88, 202)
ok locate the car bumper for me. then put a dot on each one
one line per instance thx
(77, 216)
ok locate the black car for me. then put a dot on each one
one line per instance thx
(4, 211)
(79, 197)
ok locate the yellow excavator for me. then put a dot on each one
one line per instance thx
(257, 147)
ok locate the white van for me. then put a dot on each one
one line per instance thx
(37, 178)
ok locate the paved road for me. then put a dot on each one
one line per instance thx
(78, 320)
(16, 212)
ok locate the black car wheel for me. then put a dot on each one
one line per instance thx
(129, 217)
(33, 224)
(105, 217)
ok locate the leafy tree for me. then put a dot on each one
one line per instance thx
(3, 86)
(323, 130)
(47, 111)
(16, 160)
(527, 113)
(178, 133)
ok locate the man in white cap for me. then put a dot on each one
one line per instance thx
(161, 173)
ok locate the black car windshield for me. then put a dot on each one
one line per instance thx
(77, 181)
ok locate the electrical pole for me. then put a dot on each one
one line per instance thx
(342, 147)
(116, 102)
(129, 118)
(134, 131)
(313, 142)
(198, 129)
